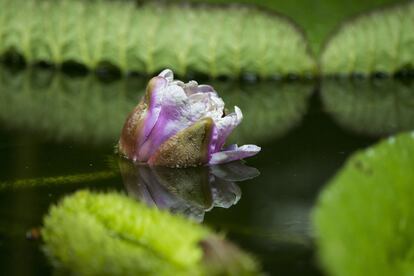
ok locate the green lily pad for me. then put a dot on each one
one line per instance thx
(150, 37)
(379, 41)
(110, 234)
(370, 107)
(364, 220)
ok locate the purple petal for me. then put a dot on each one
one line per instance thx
(233, 154)
(154, 98)
(142, 119)
(226, 125)
(173, 117)
(213, 142)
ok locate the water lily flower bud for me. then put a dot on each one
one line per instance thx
(179, 124)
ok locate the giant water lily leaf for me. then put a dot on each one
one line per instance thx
(150, 37)
(364, 220)
(110, 234)
(89, 111)
(380, 41)
(370, 107)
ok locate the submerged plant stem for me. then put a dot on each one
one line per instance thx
(57, 180)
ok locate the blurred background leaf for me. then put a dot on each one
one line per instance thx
(380, 41)
(364, 219)
(318, 18)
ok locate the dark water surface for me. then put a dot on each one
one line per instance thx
(52, 125)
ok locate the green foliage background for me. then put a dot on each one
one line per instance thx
(364, 220)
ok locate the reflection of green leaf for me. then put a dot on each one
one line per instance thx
(110, 234)
(373, 107)
(87, 110)
(270, 109)
(364, 219)
(210, 40)
(381, 41)
(81, 109)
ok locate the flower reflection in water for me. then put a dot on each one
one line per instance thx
(188, 191)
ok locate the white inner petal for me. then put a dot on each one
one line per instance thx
(206, 105)
(193, 101)
(230, 121)
(174, 95)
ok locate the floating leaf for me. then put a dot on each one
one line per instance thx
(110, 234)
(90, 111)
(371, 107)
(364, 220)
(380, 41)
(150, 37)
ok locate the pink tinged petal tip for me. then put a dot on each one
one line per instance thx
(234, 153)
